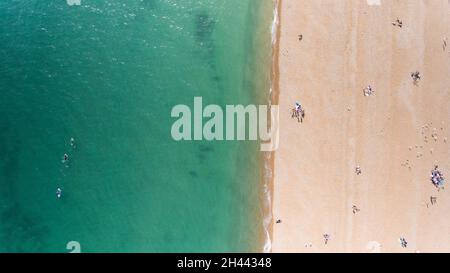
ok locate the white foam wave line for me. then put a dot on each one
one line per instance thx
(267, 204)
(268, 172)
(275, 21)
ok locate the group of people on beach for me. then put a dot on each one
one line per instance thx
(368, 91)
(437, 178)
(355, 209)
(298, 112)
(415, 76)
(398, 23)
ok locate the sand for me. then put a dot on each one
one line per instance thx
(346, 46)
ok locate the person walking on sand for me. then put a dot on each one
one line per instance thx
(368, 91)
(433, 200)
(326, 237)
(298, 112)
(355, 209)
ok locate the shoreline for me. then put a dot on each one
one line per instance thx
(268, 162)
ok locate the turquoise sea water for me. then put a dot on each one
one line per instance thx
(108, 73)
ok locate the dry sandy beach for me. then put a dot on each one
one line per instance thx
(396, 136)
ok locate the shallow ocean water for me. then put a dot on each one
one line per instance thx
(108, 73)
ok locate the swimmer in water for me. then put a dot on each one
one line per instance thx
(65, 158)
(58, 193)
